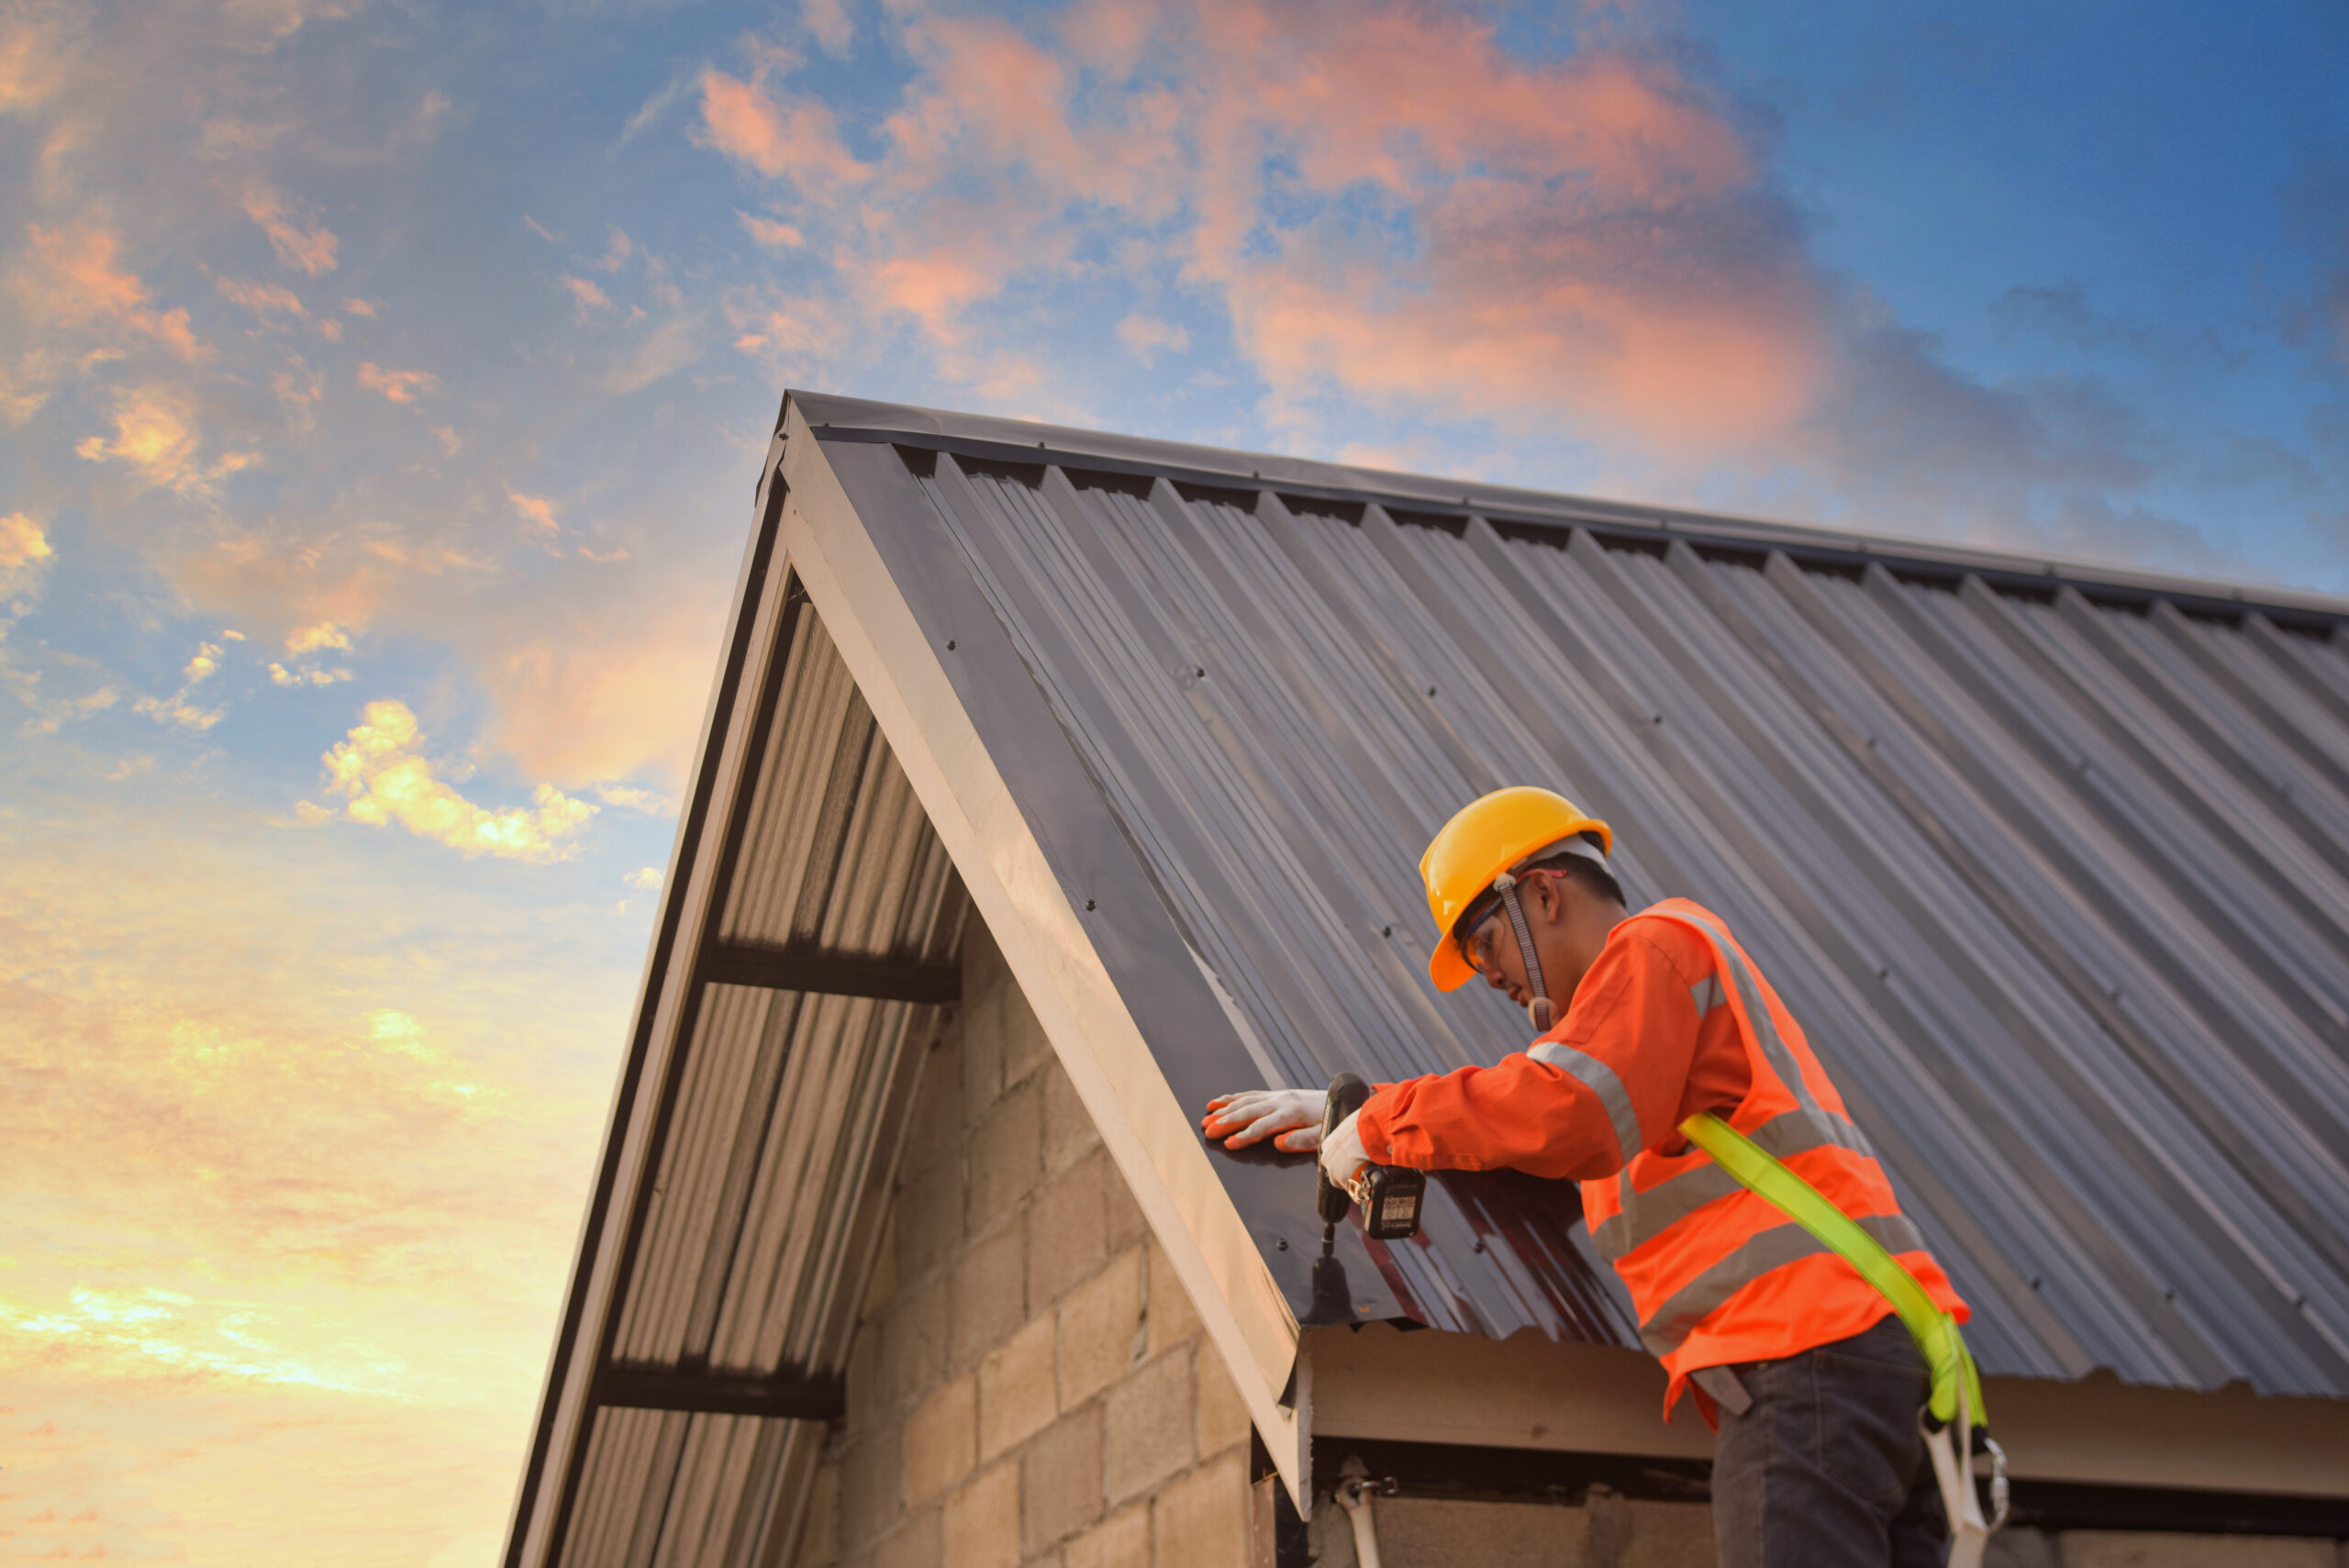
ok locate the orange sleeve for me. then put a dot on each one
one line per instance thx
(1577, 1103)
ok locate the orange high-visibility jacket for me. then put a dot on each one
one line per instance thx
(1674, 1019)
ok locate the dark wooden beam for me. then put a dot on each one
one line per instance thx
(829, 973)
(718, 1394)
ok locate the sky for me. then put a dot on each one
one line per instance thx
(384, 384)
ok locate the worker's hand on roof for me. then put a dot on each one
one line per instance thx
(1255, 1114)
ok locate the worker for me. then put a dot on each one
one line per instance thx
(1811, 1383)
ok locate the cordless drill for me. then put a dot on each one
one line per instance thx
(1389, 1194)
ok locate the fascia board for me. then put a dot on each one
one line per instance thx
(898, 668)
(1528, 1393)
(1523, 1392)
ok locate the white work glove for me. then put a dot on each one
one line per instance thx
(1342, 1158)
(1255, 1114)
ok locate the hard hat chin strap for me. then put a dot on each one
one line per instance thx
(1539, 1009)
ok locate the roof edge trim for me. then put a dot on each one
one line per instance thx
(837, 419)
(1017, 892)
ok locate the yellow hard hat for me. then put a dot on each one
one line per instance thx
(1485, 838)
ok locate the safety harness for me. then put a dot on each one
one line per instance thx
(1954, 1405)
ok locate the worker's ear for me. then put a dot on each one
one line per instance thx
(1550, 897)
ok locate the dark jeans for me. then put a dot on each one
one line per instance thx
(1826, 1469)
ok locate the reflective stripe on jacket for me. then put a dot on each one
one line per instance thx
(1674, 1019)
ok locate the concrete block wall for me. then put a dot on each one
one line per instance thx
(1029, 1384)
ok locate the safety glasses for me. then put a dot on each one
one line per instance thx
(1483, 927)
(1480, 943)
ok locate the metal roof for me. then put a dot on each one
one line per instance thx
(2056, 872)
(2052, 861)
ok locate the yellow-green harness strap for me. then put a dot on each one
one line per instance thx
(1934, 1330)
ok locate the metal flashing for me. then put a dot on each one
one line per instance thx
(1450, 502)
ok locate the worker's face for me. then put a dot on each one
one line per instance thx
(1491, 948)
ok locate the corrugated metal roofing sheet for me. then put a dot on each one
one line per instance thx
(2059, 887)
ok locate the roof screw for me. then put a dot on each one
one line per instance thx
(1088, 906)
(950, 645)
(1883, 972)
(1199, 671)
(1430, 691)
(1040, 446)
(1282, 1242)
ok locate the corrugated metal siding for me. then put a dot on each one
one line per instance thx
(773, 1171)
(2060, 890)
(666, 1489)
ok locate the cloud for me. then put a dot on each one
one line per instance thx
(1145, 336)
(155, 433)
(648, 112)
(787, 136)
(1409, 228)
(770, 233)
(71, 280)
(266, 301)
(235, 1180)
(587, 297)
(297, 386)
(379, 771)
(830, 22)
(324, 634)
(176, 710)
(112, 1333)
(34, 44)
(535, 510)
(1388, 202)
(299, 243)
(359, 308)
(25, 556)
(665, 350)
(591, 688)
(632, 799)
(279, 675)
(647, 880)
(205, 663)
(400, 386)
